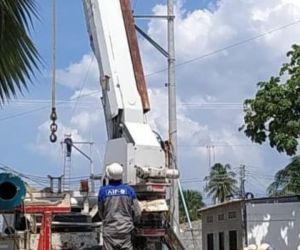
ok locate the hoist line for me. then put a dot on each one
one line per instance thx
(53, 115)
(53, 52)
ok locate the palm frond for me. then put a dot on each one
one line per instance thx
(287, 180)
(18, 55)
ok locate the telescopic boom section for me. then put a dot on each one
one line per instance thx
(131, 141)
(121, 99)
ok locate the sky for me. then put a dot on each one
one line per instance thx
(223, 48)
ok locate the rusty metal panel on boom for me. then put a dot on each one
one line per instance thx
(135, 53)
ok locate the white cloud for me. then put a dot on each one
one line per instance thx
(189, 131)
(226, 77)
(231, 73)
(81, 74)
(194, 136)
(85, 120)
(42, 144)
(87, 94)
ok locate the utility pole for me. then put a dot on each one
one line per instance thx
(242, 181)
(211, 155)
(174, 207)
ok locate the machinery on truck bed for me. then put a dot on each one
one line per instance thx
(46, 216)
(131, 141)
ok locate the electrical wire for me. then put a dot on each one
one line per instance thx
(261, 187)
(231, 46)
(37, 109)
(135, 5)
(9, 169)
(23, 113)
(45, 101)
(217, 145)
(186, 105)
(218, 106)
(83, 84)
(62, 103)
(42, 180)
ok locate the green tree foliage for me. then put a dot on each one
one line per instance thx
(287, 180)
(194, 202)
(221, 182)
(18, 55)
(274, 113)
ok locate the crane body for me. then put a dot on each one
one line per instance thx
(131, 141)
(128, 132)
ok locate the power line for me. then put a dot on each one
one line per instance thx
(217, 145)
(23, 113)
(135, 4)
(76, 101)
(33, 110)
(42, 101)
(83, 84)
(218, 106)
(217, 51)
(9, 169)
(61, 103)
(261, 186)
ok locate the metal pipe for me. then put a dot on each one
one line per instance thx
(184, 205)
(151, 41)
(151, 16)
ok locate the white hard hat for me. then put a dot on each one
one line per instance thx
(265, 246)
(114, 171)
(252, 247)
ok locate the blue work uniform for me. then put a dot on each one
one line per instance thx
(118, 209)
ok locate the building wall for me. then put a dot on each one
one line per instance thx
(189, 240)
(275, 223)
(226, 225)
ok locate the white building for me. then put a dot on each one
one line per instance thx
(235, 224)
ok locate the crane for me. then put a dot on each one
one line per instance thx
(131, 141)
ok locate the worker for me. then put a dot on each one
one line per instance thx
(119, 210)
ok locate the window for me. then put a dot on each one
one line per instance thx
(232, 215)
(221, 241)
(232, 240)
(210, 241)
(209, 219)
(221, 217)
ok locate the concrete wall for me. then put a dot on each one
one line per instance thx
(72, 240)
(226, 225)
(275, 223)
(191, 242)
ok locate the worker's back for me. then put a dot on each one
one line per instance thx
(117, 208)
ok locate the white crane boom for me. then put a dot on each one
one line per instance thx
(131, 141)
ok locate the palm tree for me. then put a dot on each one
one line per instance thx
(18, 55)
(221, 182)
(287, 180)
(194, 202)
